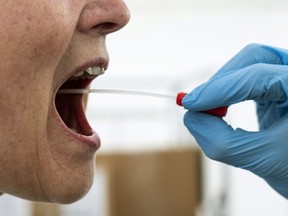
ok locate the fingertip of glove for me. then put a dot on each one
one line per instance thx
(194, 118)
(189, 101)
(187, 118)
(192, 101)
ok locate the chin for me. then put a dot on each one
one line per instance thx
(66, 187)
(71, 194)
(64, 176)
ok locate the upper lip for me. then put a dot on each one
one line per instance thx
(98, 62)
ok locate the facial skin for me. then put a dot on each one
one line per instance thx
(42, 43)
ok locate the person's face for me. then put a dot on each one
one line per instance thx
(46, 145)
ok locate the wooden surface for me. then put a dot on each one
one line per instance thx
(153, 183)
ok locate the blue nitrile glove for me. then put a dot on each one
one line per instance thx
(258, 73)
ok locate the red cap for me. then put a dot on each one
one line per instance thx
(179, 98)
(220, 111)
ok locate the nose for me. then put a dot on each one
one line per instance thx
(103, 16)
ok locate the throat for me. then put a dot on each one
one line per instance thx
(71, 110)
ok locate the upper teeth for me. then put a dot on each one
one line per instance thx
(91, 71)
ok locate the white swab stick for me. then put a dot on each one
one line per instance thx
(114, 91)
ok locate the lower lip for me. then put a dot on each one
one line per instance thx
(91, 142)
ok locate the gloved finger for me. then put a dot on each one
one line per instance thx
(269, 112)
(254, 54)
(219, 141)
(263, 153)
(257, 82)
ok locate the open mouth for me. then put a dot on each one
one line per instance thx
(71, 106)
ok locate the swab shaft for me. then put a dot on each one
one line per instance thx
(220, 111)
(114, 91)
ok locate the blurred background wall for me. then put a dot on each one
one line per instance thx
(172, 46)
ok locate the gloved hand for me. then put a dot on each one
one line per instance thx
(258, 73)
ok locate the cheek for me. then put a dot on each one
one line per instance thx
(34, 37)
(38, 32)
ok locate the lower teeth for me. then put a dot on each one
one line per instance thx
(73, 129)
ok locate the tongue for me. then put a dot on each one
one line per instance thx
(70, 109)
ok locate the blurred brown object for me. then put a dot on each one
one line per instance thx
(164, 183)
(45, 209)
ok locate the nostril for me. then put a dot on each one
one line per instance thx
(103, 17)
(108, 26)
